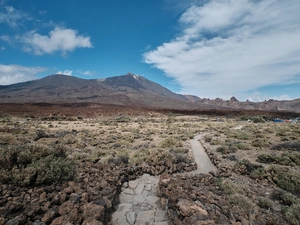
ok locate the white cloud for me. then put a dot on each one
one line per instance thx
(11, 16)
(230, 47)
(256, 96)
(10, 74)
(87, 73)
(2, 48)
(65, 72)
(59, 40)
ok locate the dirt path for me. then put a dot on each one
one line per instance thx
(204, 165)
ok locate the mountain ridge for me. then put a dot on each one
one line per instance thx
(124, 90)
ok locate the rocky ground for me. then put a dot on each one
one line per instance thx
(139, 203)
(232, 195)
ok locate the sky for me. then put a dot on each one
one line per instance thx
(249, 49)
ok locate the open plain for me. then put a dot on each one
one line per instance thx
(66, 169)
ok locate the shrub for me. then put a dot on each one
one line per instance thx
(226, 150)
(171, 142)
(265, 203)
(292, 214)
(215, 141)
(261, 143)
(241, 201)
(289, 145)
(288, 198)
(285, 178)
(207, 138)
(287, 159)
(258, 119)
(246, 167)
(243, 146)
(228, 187)
(223, 149)
(119, 159)
(35, 165)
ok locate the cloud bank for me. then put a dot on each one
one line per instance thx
(11, 16)
(10, 74)
(230, 47)
(60, 39)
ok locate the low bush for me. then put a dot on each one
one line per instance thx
(292, 214)
(35, 165)
(245, 167)
(289, 145)
(258, 119)
(288, 198)
(285, 178)
(215, 142)
(265, 203)
(241, 201)
(287, 159)
(207, 138)
(260, 143)
(226, 149)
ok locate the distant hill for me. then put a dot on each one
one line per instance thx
(125, 90)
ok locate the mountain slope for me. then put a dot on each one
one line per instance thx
(125, 90)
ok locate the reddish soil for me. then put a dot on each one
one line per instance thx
(93, 110)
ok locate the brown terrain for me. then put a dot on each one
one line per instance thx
(66, 157)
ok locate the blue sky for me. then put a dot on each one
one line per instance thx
(218, 48)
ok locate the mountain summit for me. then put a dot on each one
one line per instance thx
(125, 90)
(128, 89)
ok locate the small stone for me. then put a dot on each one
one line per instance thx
(15, 221)
(125, 207)
(128, 191)
(85, 197)
(37, 222)
(148, 187)
(138, 199)
(145, 175)
(125, 197)
(139, 189)
(130, 217)
(145, 217)
(133, 183)
(160, 216)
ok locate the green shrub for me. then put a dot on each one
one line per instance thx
(35, 165)
(288, 198)
(228, 187)
(207, 138)
(245, 167)
(258, 119)
(285, 178)
(226, 150)
(243, 146)
(241, 201)
(258, 173)
(292, 214)
(215, 142)
(265, 203)
(287, 159)
(261, 143)
(289, 145)
(171, 142)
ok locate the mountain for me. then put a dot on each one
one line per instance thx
(129, 89)
(125, 90)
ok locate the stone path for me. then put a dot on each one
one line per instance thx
(138, 199)
(204, 165)
(139, 203)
